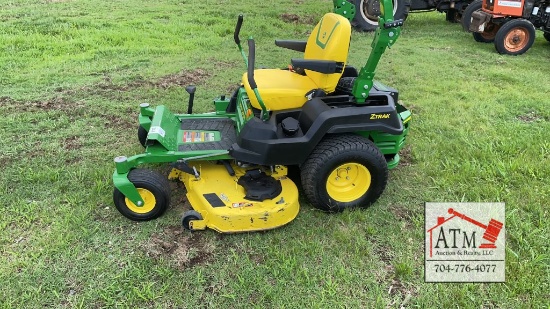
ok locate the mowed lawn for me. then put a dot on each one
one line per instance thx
(74, 72)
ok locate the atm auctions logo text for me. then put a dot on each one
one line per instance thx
(464, 242)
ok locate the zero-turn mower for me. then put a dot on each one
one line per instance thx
(341, 128)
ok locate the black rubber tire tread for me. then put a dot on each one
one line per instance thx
(333, 151)
(478, 37)
(506, 28)
(452, 16)
(546, 35)
(467, 15)
(188, 216)
(152, 181)
(359, 23)
(142, 135)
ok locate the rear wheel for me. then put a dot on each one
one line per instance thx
(368, 11)
(488, 35)
(344, 171)
(467, 15)
(153, 188)
(515, 37)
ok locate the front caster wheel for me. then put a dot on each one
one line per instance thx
(153, 188)
(188, 217)
(142, 136)
(344, 171)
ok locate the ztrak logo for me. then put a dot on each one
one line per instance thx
(379, 116)
(464, 242)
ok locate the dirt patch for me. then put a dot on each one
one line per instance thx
(53, 104)
(403, 213)
(293, 18)
(72, 143)
(182, 249)
(530, 117)
(289, 18)
(414, 109)
(397, 289)
(181, 79)
(384, 254)
(112, 121)
(405, 156)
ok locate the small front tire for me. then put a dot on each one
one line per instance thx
(189, 216)
(153, 188)
(344, 171)
(142, 135)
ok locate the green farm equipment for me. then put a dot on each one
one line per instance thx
(340, 127)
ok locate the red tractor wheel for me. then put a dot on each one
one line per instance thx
(515, 37)
(488, 35)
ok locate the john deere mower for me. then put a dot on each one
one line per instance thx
(342, 130)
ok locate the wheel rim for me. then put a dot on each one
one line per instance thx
(149, 202)
(372, 18)
(348, 182)
(516, 39)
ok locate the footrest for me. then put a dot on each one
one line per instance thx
(207, 134)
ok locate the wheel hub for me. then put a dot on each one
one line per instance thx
(149, 202)
(348, 182)
(516, 40)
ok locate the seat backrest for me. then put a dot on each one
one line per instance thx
(329, 40)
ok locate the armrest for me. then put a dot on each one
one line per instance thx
(321, 66)
(294, 45)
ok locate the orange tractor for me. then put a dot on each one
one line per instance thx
(510, 24)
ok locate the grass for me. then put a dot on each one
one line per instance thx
(74, 72)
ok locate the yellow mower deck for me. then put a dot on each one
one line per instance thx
(221, 203)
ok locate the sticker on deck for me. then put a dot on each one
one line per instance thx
(198, 136)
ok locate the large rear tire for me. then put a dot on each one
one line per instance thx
(467, 15)
(344, 171)
(515, 37)
(367, 12)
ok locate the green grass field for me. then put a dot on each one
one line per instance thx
(74, 72)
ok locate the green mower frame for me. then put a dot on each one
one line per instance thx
(368, 110)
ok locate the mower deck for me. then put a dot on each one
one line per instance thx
(221, 202)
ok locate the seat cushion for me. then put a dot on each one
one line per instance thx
(279, 89)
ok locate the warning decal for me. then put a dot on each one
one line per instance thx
(198, 136)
